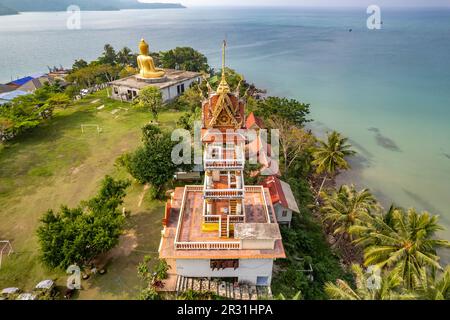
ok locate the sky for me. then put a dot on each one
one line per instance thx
(311, 3)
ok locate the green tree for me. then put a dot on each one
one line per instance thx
(83, 77)
(187, 120)
(72, 91)
(77, 235)
(150, 98)
(150, 275)
(192, 98)
(294, 141)
(290, 109)
(184, 58)
(125, 57)
(431, 287)
(383, 287)
(79, 64)
(26, 112)
(58, 100)
(94, 74)
(152, 163)
(347, 207)
(128, 71)
(329, 156)
(405, 246)
(6, 128)
(149, 293)
(108, 56)
(158, 272)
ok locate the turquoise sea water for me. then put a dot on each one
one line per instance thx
(388, 90)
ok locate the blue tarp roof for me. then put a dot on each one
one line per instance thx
(21, 81)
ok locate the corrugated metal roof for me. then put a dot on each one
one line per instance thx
(5, 88)
(281, 192)
(11, 95)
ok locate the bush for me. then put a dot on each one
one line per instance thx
(149, 294)
(195, 295)
(77, 235)
(151, 163)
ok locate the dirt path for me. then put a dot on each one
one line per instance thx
(141, 197)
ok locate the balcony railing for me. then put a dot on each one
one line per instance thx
(217, 157)
(208, 245)
(224, 194)
(211, 164)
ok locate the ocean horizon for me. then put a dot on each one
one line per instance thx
(388, 90)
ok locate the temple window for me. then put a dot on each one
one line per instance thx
(224, 264)
(180, 88)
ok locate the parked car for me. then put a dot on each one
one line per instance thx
(9, 293)
(46, 289)
(27, 296)
(84, 92)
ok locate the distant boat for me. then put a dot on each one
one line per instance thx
(350, 30)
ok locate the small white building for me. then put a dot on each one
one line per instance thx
(283, 199)
(172, 85)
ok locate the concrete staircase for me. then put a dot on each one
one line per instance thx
(223, 227)
(233, 207)
(223, 288)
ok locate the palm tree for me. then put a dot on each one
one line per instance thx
(405, 245)
(109, 55)
(372, 223)
(124, 56)
(369, 287)
(346, 208)
(297, 296)
(329, 156)
(431, 288)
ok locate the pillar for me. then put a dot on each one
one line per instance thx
(239, 207)
(238, 180)
(208, 207)
(209, 179)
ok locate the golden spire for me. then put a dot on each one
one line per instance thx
(223, 85)
(223, 58)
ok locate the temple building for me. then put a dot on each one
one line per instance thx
(223, 228)
(172, 83)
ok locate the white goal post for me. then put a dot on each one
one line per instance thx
(91, 125)
(5, 248)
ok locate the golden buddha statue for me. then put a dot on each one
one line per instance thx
(146, 65)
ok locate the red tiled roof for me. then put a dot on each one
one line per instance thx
(253, 120)
(280, 192)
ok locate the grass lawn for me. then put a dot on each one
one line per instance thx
(57, 164)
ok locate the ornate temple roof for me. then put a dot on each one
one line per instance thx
(223, 109)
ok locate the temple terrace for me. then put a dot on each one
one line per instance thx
(172, 85)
